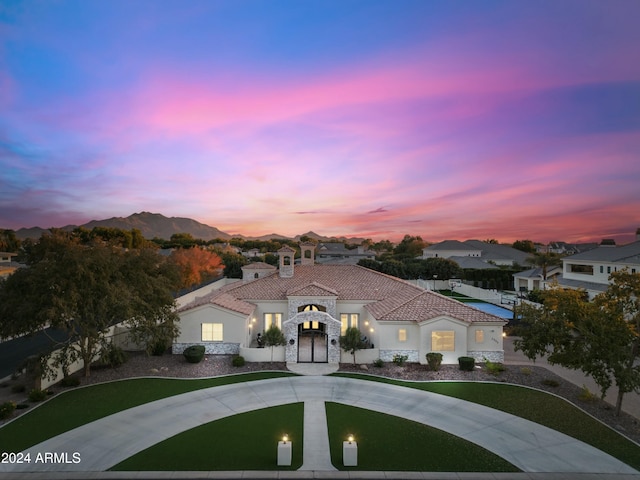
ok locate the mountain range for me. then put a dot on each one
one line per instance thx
(154, 225)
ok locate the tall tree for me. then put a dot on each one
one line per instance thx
(524, 246)
(8, 241)
(599, 338)
(544, 260)
(84, 290)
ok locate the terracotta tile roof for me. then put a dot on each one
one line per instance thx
(221, 299)
(258, 266)
(391, 299)
(313, 289)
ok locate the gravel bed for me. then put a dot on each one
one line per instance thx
(175, 366)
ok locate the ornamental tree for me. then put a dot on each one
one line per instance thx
(600, 338)
(273, 337)
(352, 341)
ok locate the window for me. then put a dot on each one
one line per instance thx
(608, 269)
(443, 341)
(311, 326)
(479, 336)
(583, 269)
(212, 332)
(348, 320)
(272, 319)
(601, 269)
(402, 334)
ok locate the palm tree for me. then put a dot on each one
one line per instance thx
(544, 260)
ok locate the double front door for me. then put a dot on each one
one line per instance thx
(312, 342)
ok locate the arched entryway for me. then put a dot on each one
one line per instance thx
(312, 336)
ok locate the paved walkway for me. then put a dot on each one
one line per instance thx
(530, 446)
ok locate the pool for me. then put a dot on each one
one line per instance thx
(493, 309)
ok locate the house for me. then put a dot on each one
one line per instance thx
(590, 270)
(314, 304)
(488, 254)
(338, 253)
(533, 279)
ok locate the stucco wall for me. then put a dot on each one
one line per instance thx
(262, 354)
(443, 324)
(235, 329)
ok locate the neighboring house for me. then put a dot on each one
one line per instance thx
(532, 279)
(487, 253)
(7, 266)
(5, 258)
(314, 304)
(590, 270)
(338, 253)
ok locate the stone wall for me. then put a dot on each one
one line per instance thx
(290, 330)
(492, 356)
(216, 348)
(387, 355)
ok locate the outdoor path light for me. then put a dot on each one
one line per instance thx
(284, 451)
(350, 452)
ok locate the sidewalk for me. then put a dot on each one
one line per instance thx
(529, 446)
(630, 402)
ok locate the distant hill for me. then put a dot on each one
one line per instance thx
(157, 225)
(150, 224)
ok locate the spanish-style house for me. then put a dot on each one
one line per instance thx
(314, 304)
(590, 270)
(476, 254)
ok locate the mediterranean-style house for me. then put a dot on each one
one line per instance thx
(314, 304)
(476, 254)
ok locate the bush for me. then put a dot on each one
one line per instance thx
(37, 395)
(22, 406)
(400, 359)
(159, 348)
(378, 363)
(70, 382)
(586, 395)
(238, 361)
(434, 359)
(18, 388)
(113, 356)
(494, 368)
(6, 409)
(526, 371)
(466, 363)
(194, 353)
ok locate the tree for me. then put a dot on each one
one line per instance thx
(524, 246)
(599, 338)
(196, 265)
(544, 260)
(352, 341)
(273, 337)
(8, 241)
(410, 246)
(84, 290)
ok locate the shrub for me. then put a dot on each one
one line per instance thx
(550, 382)
(22, 406)
(238, 361)
(113, 356)
(18, 388)
(494, 368)
(526, 371)
(6, 409)
(194, 353)
(378, 363)
(70, 382)
(400, 359)
(37, 395)
(159, 348)
(586, 395)
(434, 359)
(466, 363)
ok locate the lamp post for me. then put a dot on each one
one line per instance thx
(284, 451)
(435, 277)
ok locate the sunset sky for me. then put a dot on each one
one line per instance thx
(445, 119)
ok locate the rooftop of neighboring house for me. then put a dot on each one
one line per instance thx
(629, 253)
(451, 245)
(388, 298)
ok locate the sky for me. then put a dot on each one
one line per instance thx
(445, 119)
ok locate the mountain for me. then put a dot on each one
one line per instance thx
(150, 224)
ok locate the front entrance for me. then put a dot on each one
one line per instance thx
(312, 342)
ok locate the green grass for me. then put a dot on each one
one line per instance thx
(77, 407)
(534, 405)
(391, 443)
(246, 441)
(459, 296)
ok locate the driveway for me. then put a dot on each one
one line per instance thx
(530, 446)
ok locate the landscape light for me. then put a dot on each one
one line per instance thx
(350, 438)
(285, 438)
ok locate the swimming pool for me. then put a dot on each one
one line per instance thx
(493, 309)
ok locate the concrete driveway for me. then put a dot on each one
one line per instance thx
(530, 446)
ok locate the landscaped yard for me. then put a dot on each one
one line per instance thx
(77, 407)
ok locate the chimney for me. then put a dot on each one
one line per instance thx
(307, 253)
(638, 235)
(608, 242)
(287, 257)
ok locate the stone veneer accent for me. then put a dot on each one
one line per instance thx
(215, 348)
(492, 356)
(290, 330)
(387, 355)
(328, 303)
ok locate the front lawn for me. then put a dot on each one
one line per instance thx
(74, 408)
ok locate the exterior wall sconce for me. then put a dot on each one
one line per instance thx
(292, 341)
(350, 452)
(284, 451)
(333, 341)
